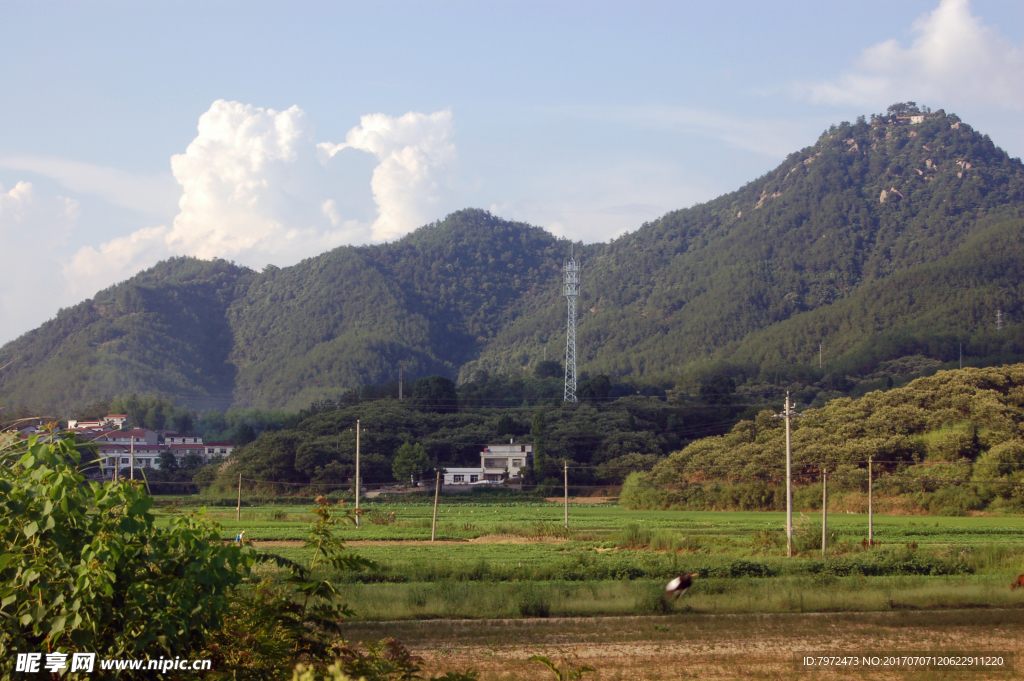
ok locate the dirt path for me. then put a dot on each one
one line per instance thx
(720, 647)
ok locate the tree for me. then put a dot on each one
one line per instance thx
(595, 390)
(410, 461)
(183, 421)
(435, 394)
(549, 368)
(168, 462)
(85, 567)
(244, 434)
(718, 389)
(538, 430)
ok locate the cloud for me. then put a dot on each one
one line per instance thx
(954, 58)
(31, 227)
(154, 195)
(250, 182)
(416, 154)
(257, 188)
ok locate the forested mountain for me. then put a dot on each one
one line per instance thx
(164, 331)
(886, 238)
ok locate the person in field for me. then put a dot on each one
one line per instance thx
(681, 584)
(240, 537)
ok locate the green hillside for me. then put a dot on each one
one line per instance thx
(881, 241)
(680, 293)
(952, 442)
(163, 331)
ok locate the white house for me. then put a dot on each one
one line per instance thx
(497, 462)
(219, 449)
(138, 436)
(500, 461)
(463, 476)
(108, 421)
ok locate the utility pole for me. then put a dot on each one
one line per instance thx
(238, 506)
(999, 320)
(789, 485)
(961, 355)
(437, 491)
(824, 512)
(357, 472)
(399, 384)
(131, 437)
(571, 280)
(566, 463)
(819, 356)
(871, 509)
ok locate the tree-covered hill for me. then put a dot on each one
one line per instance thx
(882, 240)
(163, 331)
(869, 201)
(428, 303)
(954, 439)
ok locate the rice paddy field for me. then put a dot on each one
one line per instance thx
(504, 573)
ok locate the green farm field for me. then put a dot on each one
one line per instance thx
(506, 560)
(464, 520)
(504, 581)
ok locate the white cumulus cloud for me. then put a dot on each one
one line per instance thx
(250, 181)
(954, 58)
(257, 188)
(31, 227)
(416, 155)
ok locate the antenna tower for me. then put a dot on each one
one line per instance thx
(571, 279)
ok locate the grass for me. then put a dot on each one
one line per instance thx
(499, 600)
(526, 564)
(459, 519)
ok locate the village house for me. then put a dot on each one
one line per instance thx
(116, 448)
(497, 463)
(112, 421)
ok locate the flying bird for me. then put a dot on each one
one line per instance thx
(681, 584)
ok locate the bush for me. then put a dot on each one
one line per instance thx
(652, 601)
(84, 568)
(533, 603)
(740, 568)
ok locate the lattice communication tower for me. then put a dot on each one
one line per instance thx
(571, 278)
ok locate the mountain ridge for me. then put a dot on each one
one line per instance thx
(699, 290)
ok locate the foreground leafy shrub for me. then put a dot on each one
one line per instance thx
(84, 568)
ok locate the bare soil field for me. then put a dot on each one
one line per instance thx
(720, 647)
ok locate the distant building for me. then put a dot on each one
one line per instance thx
(186, 439)
(108, 421)
(463, 476)
(913, 119)
(497, 463)
(505, 461)
(116, 448)
(138, 436)
(219, 449)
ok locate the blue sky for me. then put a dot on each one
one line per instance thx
(269, 132)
